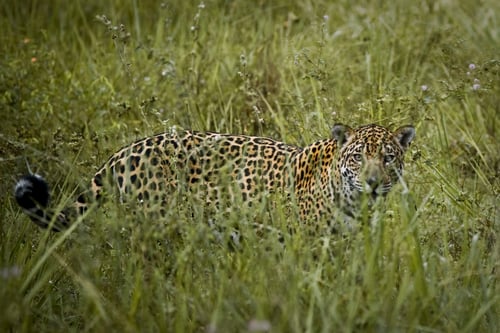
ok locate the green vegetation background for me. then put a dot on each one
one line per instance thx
(79, 79)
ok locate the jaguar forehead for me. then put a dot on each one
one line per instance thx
(371, 138)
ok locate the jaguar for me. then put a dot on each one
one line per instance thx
(323, 178)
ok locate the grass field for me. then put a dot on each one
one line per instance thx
(80, 79)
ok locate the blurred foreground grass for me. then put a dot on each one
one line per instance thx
(80, 79)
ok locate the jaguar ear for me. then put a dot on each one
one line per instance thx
(341, 133)
(405, 135)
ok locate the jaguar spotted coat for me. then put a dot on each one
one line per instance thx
(326, 176)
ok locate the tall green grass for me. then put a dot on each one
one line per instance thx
(80, 79)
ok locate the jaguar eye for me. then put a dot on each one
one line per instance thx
(357, 157)
(389, 158)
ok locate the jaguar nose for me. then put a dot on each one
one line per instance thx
(372, 181)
